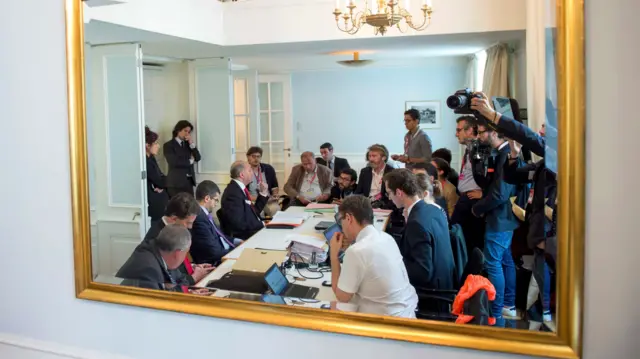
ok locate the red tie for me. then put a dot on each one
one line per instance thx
(246, 193)
(187, 263)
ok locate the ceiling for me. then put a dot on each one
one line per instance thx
(305, 54)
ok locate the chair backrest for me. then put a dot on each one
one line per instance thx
(475, 264)
(459, 250)
(223, 222)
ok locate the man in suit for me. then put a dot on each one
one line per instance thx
(370, 182)
(335, 164)
(239, 216)
(495, 207)
(308, 181)
(181, 210)
(345, 187)
(425, 244)
(181, 154)
(153, 263)
(209, 244)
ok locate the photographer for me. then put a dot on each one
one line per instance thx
(540, 213)
(495, 208)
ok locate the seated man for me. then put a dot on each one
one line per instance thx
(373, 275)
(370, 183)
(209, 244)
(262, 172)
(239, 216)
(181, 210)
(308, 182)
(345, 187)
(425, 244)
(335, 164)
(152, 263)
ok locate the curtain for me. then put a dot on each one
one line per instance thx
(496, 82)
(536, 82)
(472, 68)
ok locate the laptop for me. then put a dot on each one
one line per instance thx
(258, 260)
(279, 285)
(247, 274)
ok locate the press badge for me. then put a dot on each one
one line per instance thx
(530, 200)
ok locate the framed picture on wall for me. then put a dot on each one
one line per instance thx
(429, 112)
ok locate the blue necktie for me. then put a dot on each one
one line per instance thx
(220, 232)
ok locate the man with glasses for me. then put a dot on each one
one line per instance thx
(262, 172)
(417, 144)
(373, 275)
(469, 190)
(209, 244)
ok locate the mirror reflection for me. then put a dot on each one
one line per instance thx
(398, 176)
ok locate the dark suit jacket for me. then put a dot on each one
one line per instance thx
(495, 204)
(426, 248)
(180, 275)
(239, 218)
(180, 167)
(270, 175)
(338, 164)
(206, 245)
(156, 179)
(145, 268)
(364, 185)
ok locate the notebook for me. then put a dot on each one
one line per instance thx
(258, 260)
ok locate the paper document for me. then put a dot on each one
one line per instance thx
(320, 207)
(291, 218)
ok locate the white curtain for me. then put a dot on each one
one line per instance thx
(496, 82)
(472, 69)
(536, 87)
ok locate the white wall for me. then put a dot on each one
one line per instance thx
(40, 302)
(357, 107)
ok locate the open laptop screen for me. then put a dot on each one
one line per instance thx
(276, 281)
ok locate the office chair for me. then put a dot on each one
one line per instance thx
(435, 304)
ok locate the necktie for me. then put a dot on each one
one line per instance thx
(224, 238)
(187, 263)
(331, 164)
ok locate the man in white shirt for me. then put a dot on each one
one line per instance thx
(373, 275)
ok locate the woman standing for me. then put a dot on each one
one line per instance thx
(157, 196)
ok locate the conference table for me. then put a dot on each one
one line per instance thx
(280, 239)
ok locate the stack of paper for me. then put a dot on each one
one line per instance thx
(320, 207)
(303, 247)
(289, 218)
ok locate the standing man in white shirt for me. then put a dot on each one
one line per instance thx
(373, 275)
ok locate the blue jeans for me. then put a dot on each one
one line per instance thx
(546, 288)
(500, 269)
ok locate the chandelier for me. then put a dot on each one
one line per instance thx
(381, 14)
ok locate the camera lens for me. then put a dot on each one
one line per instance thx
(456, 101)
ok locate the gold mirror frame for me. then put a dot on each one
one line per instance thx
(566, 343)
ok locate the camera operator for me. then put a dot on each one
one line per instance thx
(541, 236)
(543, 179)
(470, 191)
(495, 208)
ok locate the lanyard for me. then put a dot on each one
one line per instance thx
(408, 139)
(259, 175)
(314, 176)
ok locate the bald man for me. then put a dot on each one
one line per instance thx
(240, 217)
(309, 181)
